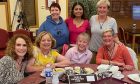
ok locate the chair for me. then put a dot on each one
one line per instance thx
(25, 32)
(134, 57)
(4, 37)
(64, 49)
(122, 37)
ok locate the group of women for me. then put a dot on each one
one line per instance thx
(100, 31)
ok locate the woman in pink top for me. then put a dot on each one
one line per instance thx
(77, 22)
(80, 53)
(112, 53)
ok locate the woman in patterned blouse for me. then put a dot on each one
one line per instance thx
(12, 66)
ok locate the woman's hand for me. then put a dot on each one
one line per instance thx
(128, 67)
(52, 65)
(118, 64)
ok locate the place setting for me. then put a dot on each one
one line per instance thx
(73, 74)
(84, 75)
(135, 77)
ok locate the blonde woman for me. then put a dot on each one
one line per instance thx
(44, 54)
(99, 22)
(112, 53)
(80, 53)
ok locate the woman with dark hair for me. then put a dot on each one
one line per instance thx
(55, 25)
(77, 23)
(12, 66)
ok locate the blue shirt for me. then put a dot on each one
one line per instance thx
(58, 30)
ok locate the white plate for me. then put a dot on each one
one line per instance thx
(120, 76)
(104, 67)
(42, 73)
(134, 77)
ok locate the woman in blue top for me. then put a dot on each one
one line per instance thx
(56, 26)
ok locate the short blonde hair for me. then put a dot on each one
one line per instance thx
(39, 37)
(103, 2)
(108, 30)
(85, 35)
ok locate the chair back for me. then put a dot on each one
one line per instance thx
(133, 56)
(64, 49)
(4, 37)
(122, 35)
(25, 32)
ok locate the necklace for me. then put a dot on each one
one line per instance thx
(19, 65)
(101, 25)
(110, 51)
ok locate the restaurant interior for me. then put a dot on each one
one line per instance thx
(126, 13)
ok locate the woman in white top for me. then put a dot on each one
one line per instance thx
(100, 22)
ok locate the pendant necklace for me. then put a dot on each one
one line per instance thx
(101, 25)
(110, 51)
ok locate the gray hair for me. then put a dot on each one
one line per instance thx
(108, 30)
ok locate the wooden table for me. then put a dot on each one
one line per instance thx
(36, 78)
(135, 33)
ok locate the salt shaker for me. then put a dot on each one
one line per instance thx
(134, 26)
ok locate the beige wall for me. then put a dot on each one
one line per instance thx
(42, 11)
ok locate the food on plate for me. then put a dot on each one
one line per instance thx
(59, 70)
(77, 69)
(68, 68)
(88, 70)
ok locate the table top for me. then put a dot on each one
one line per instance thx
(36, 78)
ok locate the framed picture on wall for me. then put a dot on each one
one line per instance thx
(49, 2)
(116, 6)
(30, 10)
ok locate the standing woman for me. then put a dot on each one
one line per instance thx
(100, 22)
(77, 23)
(12, 66)
(55, 25)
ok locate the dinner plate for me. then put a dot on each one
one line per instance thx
(119, 76)
(42, 73)
(104, 67)
(134, 77)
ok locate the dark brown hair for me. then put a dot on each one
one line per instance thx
(54, 4)
(75, 4)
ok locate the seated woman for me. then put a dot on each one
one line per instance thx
(80, 53)
(44, 54)
(113, 53)
(12, 66)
